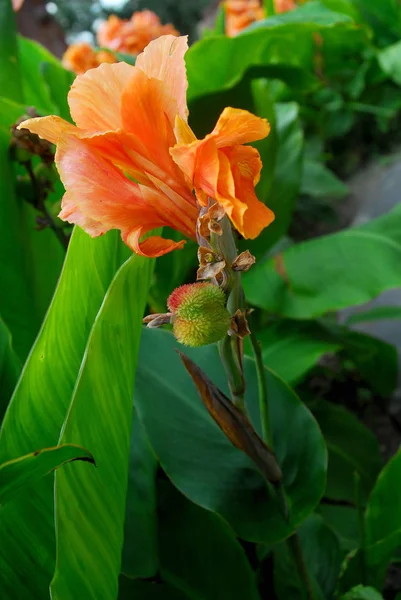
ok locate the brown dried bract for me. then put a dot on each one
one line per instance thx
(157, 320)
(244, 261)
(239, 325)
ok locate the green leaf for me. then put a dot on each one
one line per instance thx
(319, 182)
(36, 90)
(322, 556)
(10, 76)
(352, 449)
(140, 553)
(390, 61)
(343, 520)
(376, 360)
(383, 16)
(314, 12)
(264, 50)
(16, 474)
(361, 592)
(374, 314)
(16, 302)
(154, 590)
(100, 417)
(199, 554)
(292, 348)
(58, 81)
(282, 196)
(10, 368)
(39, 407)
(329, 273)
(200, 460)
(383, 521)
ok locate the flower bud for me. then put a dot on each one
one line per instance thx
(199, 314)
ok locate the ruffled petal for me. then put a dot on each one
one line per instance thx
(153, 246)
(95, 97)
(163, 59)
(245, 166)
(236, 126)
(49, 128)
(199, 162)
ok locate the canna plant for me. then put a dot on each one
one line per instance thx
(131, 470)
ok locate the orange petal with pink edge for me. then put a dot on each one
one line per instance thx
(245, 169)
(72, 214)
(163, 59)
(98, 189)
(49, 128)
(95, 97)
(236, 126)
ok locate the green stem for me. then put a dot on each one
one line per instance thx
(231, 347)
(263, 391)
(296, 549)
(269, 7)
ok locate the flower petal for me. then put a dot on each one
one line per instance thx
(236, 126)
(152, 246)
(199, 161)
(72, 214)
(49, 128)
(95, 97)
(98, 189)
(163, 59)
(245, 169)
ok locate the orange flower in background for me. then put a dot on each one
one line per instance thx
(17, 4)
(132, 162)
(81, 56)
(240, 14)
(283, 6)
(133, 35)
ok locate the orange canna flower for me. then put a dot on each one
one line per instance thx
(132, 162)
(283, 6)
(132, 35)
(239, 14)
(242, 13)
(81, 56)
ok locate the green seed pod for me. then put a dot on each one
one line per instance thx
(199, 314)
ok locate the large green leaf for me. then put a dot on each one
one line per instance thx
(322, 556)
(17, 474)
(10, 76)
(36, 90)
(331, 272)
(390, 61)
(343, 520)
(352, 449)
(15, 278)
(140, 553)
(39, 406)
(383, 16)
(383, 521)
(263, 50)
(199, 553)
(10, 368)
(200, 460)
(319, 182)
(90, 505)
(148, 590)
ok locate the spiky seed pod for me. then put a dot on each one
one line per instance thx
(199, 314)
